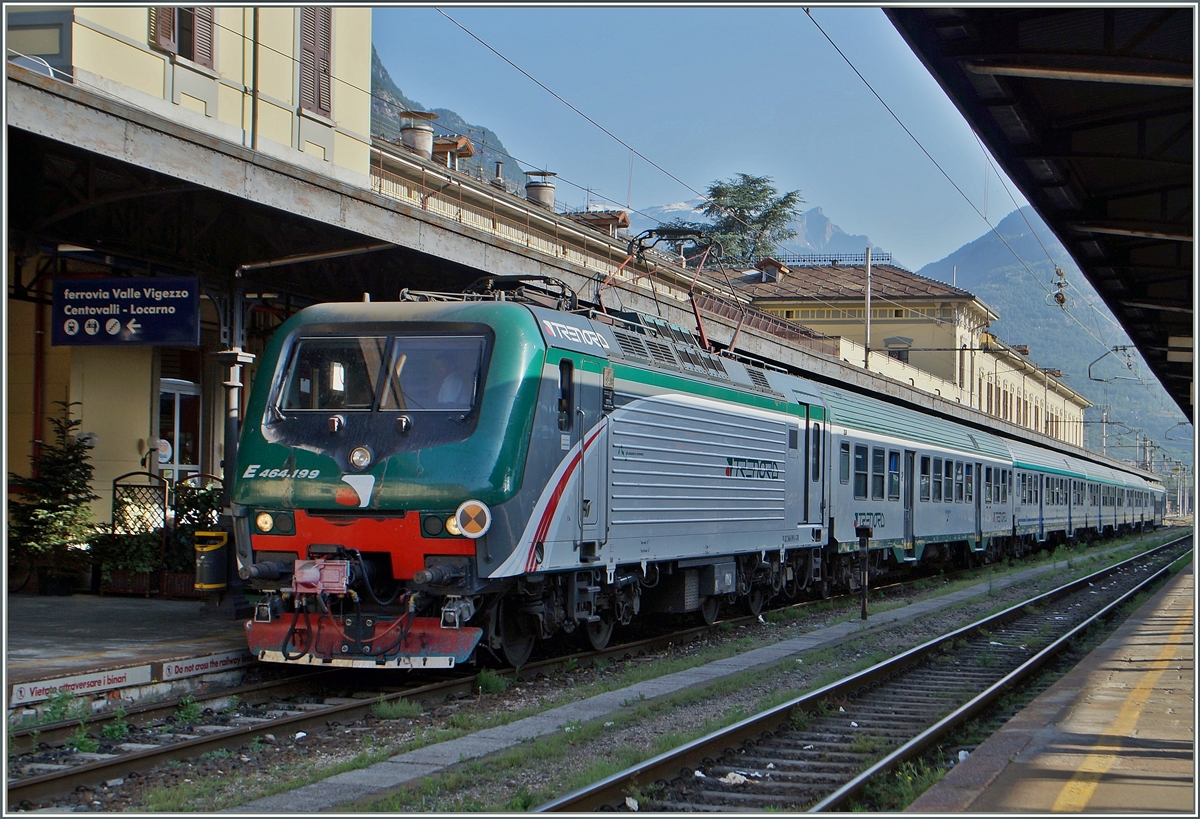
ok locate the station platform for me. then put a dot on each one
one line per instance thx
(1115, 735)
(89, 644)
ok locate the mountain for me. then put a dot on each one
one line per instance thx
(388, 101)
(815, 232)
(1023, 296)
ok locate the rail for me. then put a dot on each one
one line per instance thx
(839, 788)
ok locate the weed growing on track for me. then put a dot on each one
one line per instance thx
(188, 711)
(118, 727)
(83, 743)
(396, 709)
(488, 681)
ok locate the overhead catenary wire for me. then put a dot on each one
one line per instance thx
(937, 165)
(592, 192)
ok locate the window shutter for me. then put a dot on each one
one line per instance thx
(203, 36)
(308, 58)
(163, 31)
(324, 60)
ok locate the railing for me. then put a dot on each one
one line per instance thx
(470, 202)
(831, 259)
(761, 320)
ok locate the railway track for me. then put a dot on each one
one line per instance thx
(46, 760)
(820, 750)
(50, 760)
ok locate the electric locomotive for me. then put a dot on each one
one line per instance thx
(421, 480)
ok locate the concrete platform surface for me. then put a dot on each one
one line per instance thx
(1115, 735)
(105, 643)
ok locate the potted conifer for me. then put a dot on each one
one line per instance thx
(50, 517)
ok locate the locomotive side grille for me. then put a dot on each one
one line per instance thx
(687, 463)
(631, 345)
(661, 352)
(759, 379)
(715, 366)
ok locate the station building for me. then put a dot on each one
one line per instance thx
(287, 83)
(929, 334)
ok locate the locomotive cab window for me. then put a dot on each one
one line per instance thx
(334, 374)
(566, 392)
(433, 373)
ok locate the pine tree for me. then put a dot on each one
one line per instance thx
(50, 520)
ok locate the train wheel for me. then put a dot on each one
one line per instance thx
(823, 589)
(597, 634)
(756, 600)
(710, 609)
(518, 633)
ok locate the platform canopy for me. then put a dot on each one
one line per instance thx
(1090, 112)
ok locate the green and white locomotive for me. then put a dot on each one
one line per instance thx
(420, 481)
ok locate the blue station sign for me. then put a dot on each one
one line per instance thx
(163, 311)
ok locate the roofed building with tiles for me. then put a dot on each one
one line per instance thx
(927, 333)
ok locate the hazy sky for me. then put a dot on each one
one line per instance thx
(705, 93)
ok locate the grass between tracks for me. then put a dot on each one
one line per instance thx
(438, 793)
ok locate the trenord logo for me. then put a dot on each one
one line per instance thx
(589, 337)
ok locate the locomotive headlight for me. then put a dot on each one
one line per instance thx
(360, 457)
(265, 521)
(452, 526)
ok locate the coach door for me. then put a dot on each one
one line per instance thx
(978, 481)
(910, 460)
(811, 491)
(1039, 483)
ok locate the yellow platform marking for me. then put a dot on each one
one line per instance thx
(1076, 794)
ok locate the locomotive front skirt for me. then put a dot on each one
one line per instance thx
(418, 482)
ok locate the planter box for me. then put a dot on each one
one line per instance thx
(180, 584)
(126, 582)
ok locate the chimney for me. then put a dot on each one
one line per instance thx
(539, 188)
(416, 133)
(499, 180)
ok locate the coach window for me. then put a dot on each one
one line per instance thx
(937, 479)
(816, 452)
(987, 485)
(924, 477)
(1004, 486)
(893, 474)
(844, 463)
(860, 471)
(969, 483)
(876, 474)
(950, 481)
(958, 481)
